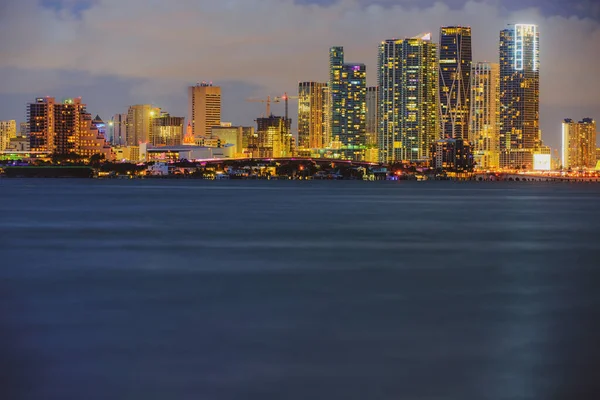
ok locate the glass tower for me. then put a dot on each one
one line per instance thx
(519, 95)
(485, 111)
(454, 80)
(408, 107)
(311, 107)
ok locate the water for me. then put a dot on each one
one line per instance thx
(177, 289)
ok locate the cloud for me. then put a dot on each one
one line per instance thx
(272, 44)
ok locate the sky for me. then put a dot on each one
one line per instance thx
(114, 53)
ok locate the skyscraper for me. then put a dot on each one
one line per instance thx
(454, 80)
(139, 123)
(372, 119)
(69, 126)
(8, 130)
(166, 130)
(40, 116)
(519, 95)
(118, 128)
(484, 132)
(204, 108)
(408, 107)
(311, 110)
(271, 140)
(579, 143)
(348, 97)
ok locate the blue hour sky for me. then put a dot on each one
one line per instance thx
(114, 53)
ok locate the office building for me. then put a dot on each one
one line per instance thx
(204, 108)
(372, 118)
(8, 131)
(311, 115)
(118, 130)
(578, 144)
(233, 135)
(408, 106)
(166, 130)
(347, 104)
(452, 155)
(484, 132)
(271, 140)
(519, 95)
(139, 123)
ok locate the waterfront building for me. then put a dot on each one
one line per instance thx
(372, 119)
(519, 95)
(69, 126)
(204, 108)
(578, 144)
(311, 115)
(408, 106)
(40, 117)
(484, 132)
(233, 135)
(454, 81)
(118, 130)
(8, 130)
(166, 130)
(19, 144)
(91, 140)
(347, 104)
(452, 155)
(139, 123)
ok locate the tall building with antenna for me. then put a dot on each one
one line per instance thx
(204, 108)
(454, 81)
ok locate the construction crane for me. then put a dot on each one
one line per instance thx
(268, 100)
(285, 98)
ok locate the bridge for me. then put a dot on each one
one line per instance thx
(320, 161)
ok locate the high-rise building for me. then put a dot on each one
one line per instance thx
(166, 130)
(454, 80)
(578, 144)
(372, 119)
(118, 130)
(139, 123)
(271, 141)
(24, 129)
(204, 108)
(68, 126)
(408, 106)
(519, 95)
(484, 132)
(347, 104)
(8, 130)
(311, 112)
(40, 116)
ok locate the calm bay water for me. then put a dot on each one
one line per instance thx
(177, 289)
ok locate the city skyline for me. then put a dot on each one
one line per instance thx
(244, 74)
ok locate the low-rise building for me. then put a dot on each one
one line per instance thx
(452, 155)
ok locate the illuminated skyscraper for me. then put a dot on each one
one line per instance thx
(348, 97)
(579, 144)
(311, 112)
(118, 130)
(271, 141)
(8, 130)
(40, 115)
(372, 120)
(454, 80)
(139, 123)
(204, 108)
(519, 95)
(484, 132)
(408, 107)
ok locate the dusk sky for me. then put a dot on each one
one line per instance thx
(114, 53)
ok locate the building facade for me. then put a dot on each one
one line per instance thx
(347, 104)
(519, 95)
(8, 131)
(237, 136)
(372, 119)
(139, 123)
(408, 106)
(455, 81)
(452, 155)
(578, 144)
(484, 132)
(311, 115)
(204, 108)
(271, 140)
(40, 116)
(118, 130)
(166, 130)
